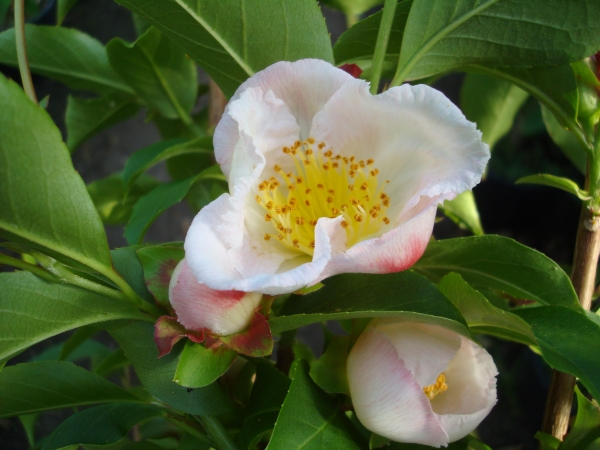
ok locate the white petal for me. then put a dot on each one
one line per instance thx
(394, 251)
(386, 397)
(471, 393)
(198, 307)
(424, 349)
(418, 139)
(304, 86)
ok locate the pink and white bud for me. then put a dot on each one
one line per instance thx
(420, 383)
(198, 307)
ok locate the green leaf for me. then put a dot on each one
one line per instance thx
(230, 41)
(565, 139)
(101, 425)
(63, 8)
(547, 441)
(44, 201)
(569, 341)
(462, 210)
(34, 310)
(87, 117)
(442, 35)
(502, 264)
(492, 104)
(112, 362)
(357, 44)
(4, 7)
(158, 71)
(40, 386)
(562, 183)
(147, 157)
(554, 87)
(268, 393)
(586, 426)
(90, 349)
(151, 205)
(311, 419)
(199, 366)
(159, 262)
(481, 315)
(156, 375)
(355, 7)
(350, 296)
(111, 201)
(128, 265)
(329, 371)
(65, 55)
(77, 339)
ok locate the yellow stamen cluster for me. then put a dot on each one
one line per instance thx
(437, 388)
(322, 184)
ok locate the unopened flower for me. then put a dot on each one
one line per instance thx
(200, 308)
(325, 178)
(420, 383)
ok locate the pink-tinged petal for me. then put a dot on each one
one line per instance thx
(471, 393)
(304, 86)
(425, 349)
(199, 307)
(418, 139)
(255, 341)
(394, 251)
(167, 332)
(386, 397)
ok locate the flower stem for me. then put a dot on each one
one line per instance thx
(218, 433)
(583, 277)
(20, 264)
(22, 50)
(351, 19)
(385, 27)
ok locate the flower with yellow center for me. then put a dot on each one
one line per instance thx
(419, 383)
(325, 178)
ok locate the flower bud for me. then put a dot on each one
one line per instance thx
(420, 383)
(198, 307)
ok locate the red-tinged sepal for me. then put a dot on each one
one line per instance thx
(255, 341)
(352, 69)
(167, 332)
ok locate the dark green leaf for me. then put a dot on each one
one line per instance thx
(230, 41)
(111, 201)
(147, 157)
(90, 349)
(44, 201)
(65, 55)
(357, 44)
(586, 426)
(4, 7)
(463, 211)
(562, 183)
(312, 419)
(547, 441)
(481, 315)
(492, 104)
(329, 372)
(156, 375)
(78, 338)
(268, 393)
(499, 263)
(101, 425)
(34, 310)
(565, 139)
(158, 71)
(151, 205)
(442, 35)
(569, 341)
(351, 296)
(199, 366)
(128, 265)
(63, 8)
(112, 362)
(159, 262)
(39, 386)
(87, 117)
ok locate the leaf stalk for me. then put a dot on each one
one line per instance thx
(383, 37)
(22, 51)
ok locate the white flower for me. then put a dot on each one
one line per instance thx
(200, 308)
(325, 178)
(420, 383)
